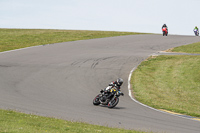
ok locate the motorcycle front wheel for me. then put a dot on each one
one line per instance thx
(113, 102)
(96, 100)
(163, 33)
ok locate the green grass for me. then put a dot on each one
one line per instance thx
(191, 48)
(169, 82)
(20, 38)
(14, 122)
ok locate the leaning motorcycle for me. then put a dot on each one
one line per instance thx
(111, 101)
(196, 32)
(165, 31)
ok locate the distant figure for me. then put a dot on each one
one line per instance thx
(196, 31)
(164, 25)
(165, 30)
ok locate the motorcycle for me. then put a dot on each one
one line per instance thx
(165, 31)
(111, 101)
(196, 32)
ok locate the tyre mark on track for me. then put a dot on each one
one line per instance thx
(93, 62)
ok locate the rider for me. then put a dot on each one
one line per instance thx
(165, 26)
(196, 29)
(116, 84)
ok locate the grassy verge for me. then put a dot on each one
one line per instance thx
(20, 38)
(169, 82)
(14, 122)
(191, 48)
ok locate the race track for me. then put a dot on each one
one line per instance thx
(61, 80)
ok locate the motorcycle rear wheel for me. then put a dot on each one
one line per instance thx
(113, 102)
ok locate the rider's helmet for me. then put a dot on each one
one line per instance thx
(119, 81)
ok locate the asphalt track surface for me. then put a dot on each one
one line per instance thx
(60, 80)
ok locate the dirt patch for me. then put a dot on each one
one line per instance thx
(169, 50)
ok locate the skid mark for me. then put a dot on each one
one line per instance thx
(89, 62)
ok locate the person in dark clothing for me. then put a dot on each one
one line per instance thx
(165, 29)
(117, 84)
(165, 26)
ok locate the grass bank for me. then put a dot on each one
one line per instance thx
(20, 38)
(14, 122)
(191, 48)
(169, 82)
